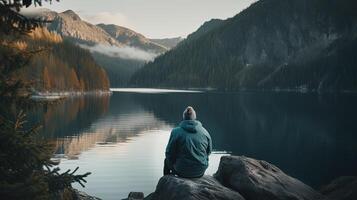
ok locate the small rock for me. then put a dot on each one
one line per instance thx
(136, 196)
(257, 179)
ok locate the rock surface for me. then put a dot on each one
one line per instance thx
(239, 178)
(72, 194)
(205, 188)
(343, 188)
(257, 179)
(84, 196)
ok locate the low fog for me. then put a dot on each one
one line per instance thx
(125, 52)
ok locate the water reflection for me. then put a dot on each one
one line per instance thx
(121, 139)
(71, 117)
(309, 136)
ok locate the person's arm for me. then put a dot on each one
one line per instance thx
(170, 152)
(209, 148)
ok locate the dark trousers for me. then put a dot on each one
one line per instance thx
(168, 169)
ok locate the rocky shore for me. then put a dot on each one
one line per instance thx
(243, 178)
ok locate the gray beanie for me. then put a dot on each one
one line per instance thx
(189, 114)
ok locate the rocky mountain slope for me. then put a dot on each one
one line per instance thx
(131, 38)
(303, 45)
(69, 24)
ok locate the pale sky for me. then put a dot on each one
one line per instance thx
(153, 18)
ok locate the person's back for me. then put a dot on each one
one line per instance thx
(188, 148)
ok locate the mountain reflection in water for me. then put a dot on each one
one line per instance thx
(122, 138)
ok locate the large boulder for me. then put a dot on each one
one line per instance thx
(205, 188)
(260, 180)
(342, 188)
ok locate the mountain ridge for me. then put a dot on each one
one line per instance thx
(101, 39)
(131, 38)
(250, 50)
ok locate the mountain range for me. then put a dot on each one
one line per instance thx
(306, 45)
(119, 50)
(68, 24)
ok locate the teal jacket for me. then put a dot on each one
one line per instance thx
(188, 149)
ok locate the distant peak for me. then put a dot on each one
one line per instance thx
(214, 20)
(107, 25)
(110, 25)
(72, 14)
(68, 12)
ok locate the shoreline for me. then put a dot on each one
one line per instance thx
(53, 96)
(210, 89)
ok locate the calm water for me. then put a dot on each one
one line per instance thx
(121, 138)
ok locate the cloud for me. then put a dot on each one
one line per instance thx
(124, 52)
(106, 18)
(33, 11)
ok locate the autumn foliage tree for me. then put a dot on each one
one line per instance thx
(46, 79)
(63, 66)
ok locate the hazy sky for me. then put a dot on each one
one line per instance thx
(153, 18)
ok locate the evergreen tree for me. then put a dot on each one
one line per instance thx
(26, 168)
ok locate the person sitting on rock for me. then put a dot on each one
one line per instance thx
(188, 148)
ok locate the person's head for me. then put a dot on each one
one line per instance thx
(189, 114)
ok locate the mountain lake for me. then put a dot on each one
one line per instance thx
(121, 138)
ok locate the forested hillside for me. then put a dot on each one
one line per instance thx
(274, 44)
(119, 70)
(60, 65)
